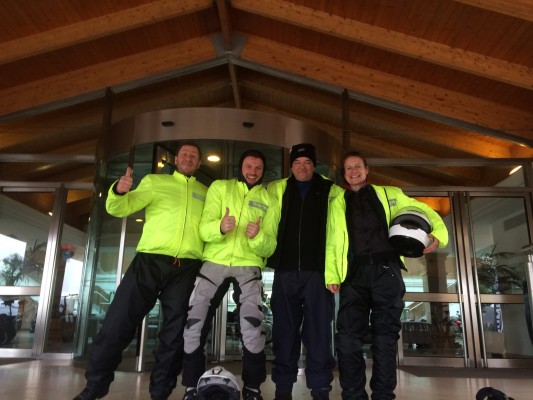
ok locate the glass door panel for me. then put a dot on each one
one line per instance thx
(432, 329)
(432, 317)
(23, 245)
(499, 233)
(113, 241)
(67, 276)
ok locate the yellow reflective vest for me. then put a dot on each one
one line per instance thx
(337, 243)
(173, 208)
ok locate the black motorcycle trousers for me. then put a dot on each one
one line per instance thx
(370, 294)
(148, 278)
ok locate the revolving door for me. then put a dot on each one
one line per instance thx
(148, 143)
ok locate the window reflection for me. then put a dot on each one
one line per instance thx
(432, 328)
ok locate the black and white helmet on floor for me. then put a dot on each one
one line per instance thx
(408, 232)
(218, 384)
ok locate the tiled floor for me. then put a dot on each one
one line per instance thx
(60, 380)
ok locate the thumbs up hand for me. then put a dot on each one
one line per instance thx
(252, 229)
(125, 182)
(227, 223)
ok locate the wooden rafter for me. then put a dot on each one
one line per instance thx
(421, 96)
(118, 71)
(94, 28)
(396, 42)
(522, 9)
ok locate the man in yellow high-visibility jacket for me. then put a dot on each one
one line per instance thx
(168, 258)
(238, 238)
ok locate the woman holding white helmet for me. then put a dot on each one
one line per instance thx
(364, 265)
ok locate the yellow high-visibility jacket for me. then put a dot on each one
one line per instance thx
(234, 248)
(173, 208)
(393, 200)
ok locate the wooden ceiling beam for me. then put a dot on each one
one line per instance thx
(98, 27)
(522, 9)
(225, 22)
(397, 125)
(402, 177)
(420, 96)
(223, 8)
(434, 134)
(119, 71)
(77, 195)
(396, 42)
(385, 149)
(368, 145)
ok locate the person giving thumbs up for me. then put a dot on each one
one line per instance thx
(228, 222)
(125, 182)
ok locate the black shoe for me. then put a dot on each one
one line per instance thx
(283, 397)
(90, 394)
(323, 395)
(251, 394)
(190, 394)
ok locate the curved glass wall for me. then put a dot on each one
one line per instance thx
(148, 143)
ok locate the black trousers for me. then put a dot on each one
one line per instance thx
(302, 310)
(148, 278)
(371, 293)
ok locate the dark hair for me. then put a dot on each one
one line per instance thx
(255, 154)
(349, 154)
(188, 142)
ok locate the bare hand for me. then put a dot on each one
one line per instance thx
(334, 288)
(125, 182)
(433, 245)
(228, 222)
(252, 229)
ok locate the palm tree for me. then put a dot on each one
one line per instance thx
(14, 270)
(495, 274)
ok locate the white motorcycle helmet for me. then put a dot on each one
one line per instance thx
(408, 232)
(218, 384)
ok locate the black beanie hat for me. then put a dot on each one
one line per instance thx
(303, 150)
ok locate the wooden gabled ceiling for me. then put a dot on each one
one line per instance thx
(418, 79)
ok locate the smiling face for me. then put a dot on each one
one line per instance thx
(252, 169)
(355, 172)
(188, 160)
(303, 168)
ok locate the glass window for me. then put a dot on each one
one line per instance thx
(23, 241)
(432, 329)
(435, 272)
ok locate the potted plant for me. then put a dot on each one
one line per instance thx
(496, 275)
(13, 271)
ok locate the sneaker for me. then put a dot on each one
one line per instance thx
(190, 394)
(251, 394)
(90, 394)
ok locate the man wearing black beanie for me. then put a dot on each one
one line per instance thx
(302, 307)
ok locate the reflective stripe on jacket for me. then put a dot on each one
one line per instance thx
(173, 208)
(393, 200)
(234, 248)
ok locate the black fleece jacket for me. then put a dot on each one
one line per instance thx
(302, 227)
